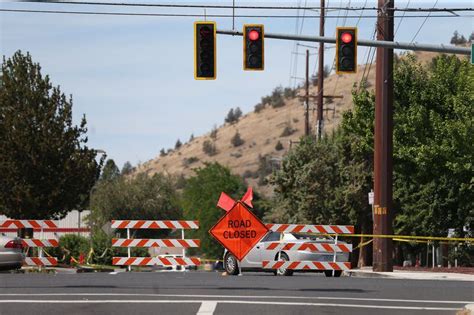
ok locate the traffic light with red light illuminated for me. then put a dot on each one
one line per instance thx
(253, 47)
(346, 50)
(205, 50)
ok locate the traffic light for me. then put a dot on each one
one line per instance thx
(253, 47)
(205, 50)
(346, 50)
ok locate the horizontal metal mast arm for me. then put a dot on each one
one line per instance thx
(365, 42)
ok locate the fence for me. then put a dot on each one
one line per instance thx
(39, 261)
(334, 248)
(165, 243)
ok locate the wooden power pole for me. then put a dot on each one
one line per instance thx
(320, 96)
(306, 98)
(383, 208)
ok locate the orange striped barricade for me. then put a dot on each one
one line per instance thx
(166, 243)
(334, 248)
(33, 242)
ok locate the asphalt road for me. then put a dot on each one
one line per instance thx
(211, 293)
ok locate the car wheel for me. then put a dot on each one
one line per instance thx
(337, 273)
(231, 265)
(284, 271)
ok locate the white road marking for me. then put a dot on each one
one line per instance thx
(272, 303)
(207, 308)
(241, 297)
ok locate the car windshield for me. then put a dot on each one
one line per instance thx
(311, 237)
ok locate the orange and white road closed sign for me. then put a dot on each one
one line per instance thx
(239, 230)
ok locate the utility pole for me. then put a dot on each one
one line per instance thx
(383, 139)
(306, 98)
(320, 123)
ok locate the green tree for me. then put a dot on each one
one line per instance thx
(307, 184)
(230, 118)
(209, 148)
(433, 168)
(236, 139)
(127, 169)
(110, 171)
(199, 200)
(178, 144)
(139, 198)
(46, 167)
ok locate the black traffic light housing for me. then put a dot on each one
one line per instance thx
(205, 50)
(253, 47)
(346, 50)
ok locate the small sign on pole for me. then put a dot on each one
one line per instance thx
(371, 197)
(472, 54)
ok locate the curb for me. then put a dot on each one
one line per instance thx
(361, 274)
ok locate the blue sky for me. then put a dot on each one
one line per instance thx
(133, 76)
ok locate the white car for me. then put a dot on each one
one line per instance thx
(11, 253)
(253, 260)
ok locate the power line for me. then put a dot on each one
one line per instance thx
(202, 15)
(400, 22)
(209, 6)
(421, 26)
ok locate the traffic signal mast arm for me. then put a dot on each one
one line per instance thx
(365, 42)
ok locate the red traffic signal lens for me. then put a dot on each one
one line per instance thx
(346, 38)
(205, 31)
(253, 35)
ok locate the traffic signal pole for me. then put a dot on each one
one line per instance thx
(383, 141)
(383, 137)
(365, 42)
(319, 112)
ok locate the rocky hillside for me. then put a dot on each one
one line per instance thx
(261, 131)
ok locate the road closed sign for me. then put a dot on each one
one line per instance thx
(239, 230)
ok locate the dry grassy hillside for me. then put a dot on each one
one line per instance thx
(261, 131)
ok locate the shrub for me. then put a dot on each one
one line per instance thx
(72, 245)
(191, 137)
(259, 107)
(189, 161)
(237, 140)
(213, 134)
(237, 113)
(289, 92)
(287, 131)
(279, 146)
(236, 155)
(458, 40)
(233, 115)
(209, 148)
(178, 144)
(277, 97)
(162, 152)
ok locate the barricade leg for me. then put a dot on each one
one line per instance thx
(129, 250)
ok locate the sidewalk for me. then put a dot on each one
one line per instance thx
(414, 275)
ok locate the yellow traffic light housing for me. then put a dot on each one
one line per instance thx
(254, 58)
(205, 50)
(346, 50)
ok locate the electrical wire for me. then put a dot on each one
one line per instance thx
(401, 19)
(202, 15)
(209, 6)
(421, 26)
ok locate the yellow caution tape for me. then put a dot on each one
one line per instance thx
(410, 241)
(414, 237)
(362, 244)
(89, 256)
